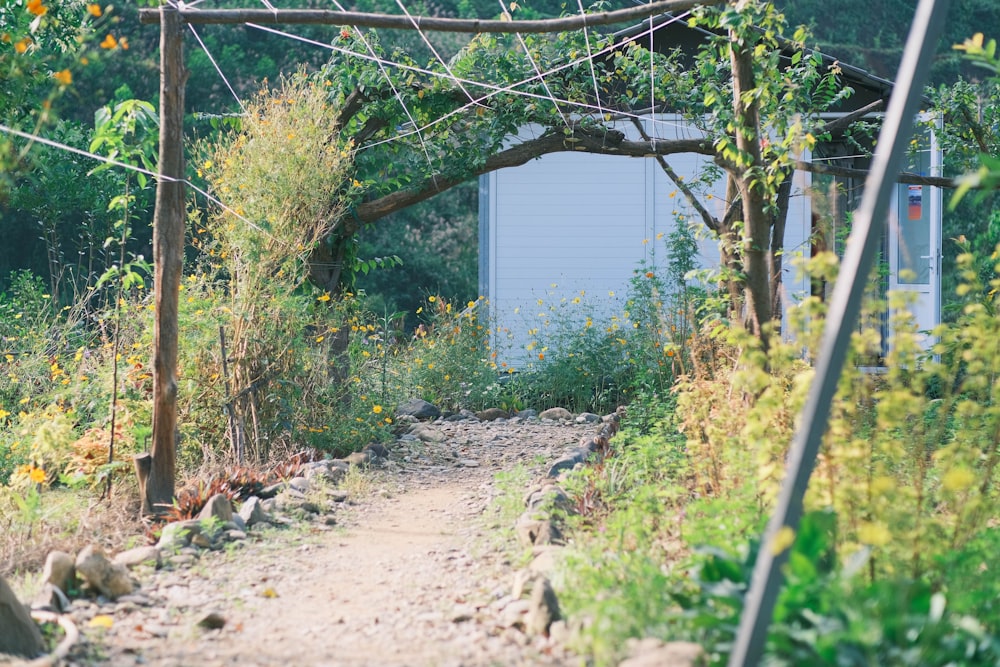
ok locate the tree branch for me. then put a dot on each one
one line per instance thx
(610, 142)
(838, 124)
(399, 22)
(692, 199)
(903, 177)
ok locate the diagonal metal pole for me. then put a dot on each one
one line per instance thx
(845, 306)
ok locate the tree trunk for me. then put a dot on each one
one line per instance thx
(778, 244)
(756, 221)
(168, 254)
(18, 633)
(326, 263)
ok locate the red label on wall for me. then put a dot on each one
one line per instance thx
(916, 202)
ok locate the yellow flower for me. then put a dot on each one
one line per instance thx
(875, 534)
(37, 8)
(94, 10)
(65, 77)
(4, 414)
(37, 475)
(958, 479)
(377, 409)
(325, 297)
(432, 299)
(471, 304)
(109, 42)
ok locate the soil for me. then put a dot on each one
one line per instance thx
(417, 571)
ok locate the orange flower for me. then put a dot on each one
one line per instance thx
(94, 9)
(123, 42)
(22, 45)
(37, 8)
(670, 353)
(541, 356)
(109, 42)
(650, 274)
(345, 33)
(64, 77)
(37, 475)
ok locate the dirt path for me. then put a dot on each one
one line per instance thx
(413, 574)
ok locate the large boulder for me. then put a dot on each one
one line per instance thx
(19, 634)
(418, 408)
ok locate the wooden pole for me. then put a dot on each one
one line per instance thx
(168, 253)
(435, 23)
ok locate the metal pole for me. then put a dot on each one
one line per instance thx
(845, 306)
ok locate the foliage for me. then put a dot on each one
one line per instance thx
(281, 177)
(42, 45)
(436, 241)
(904, 491)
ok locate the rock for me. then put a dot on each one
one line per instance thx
(213, 620)
(358, 458)
(376, 450)
(300, 484)
(515, 614)
(271, 491)
(338, 495)
(235, 535)
(101, 575)
(252, 512)
(556, 414)
(491, 414)
(140, 556)
(468, 463)
(218, 506)
(20, 635)
(570, 461)
(549, 497)
(559, 632)
(60, 570)
(544, 561)
(462, 415)
(587, 418)
(544, 608)
(202, 541)
(427, 433)
(325, 470)
(182, 560)
(51, 598)
(527, 413)
(533, 531)
(419, 408)
(237, 523)
(402, 423)
(178, 534)
(651, 652)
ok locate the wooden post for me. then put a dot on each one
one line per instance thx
(168, 253)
